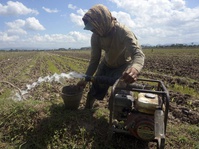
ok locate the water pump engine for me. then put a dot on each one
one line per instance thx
(137, 114)
(139, 110)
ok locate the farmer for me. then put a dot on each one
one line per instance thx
(123, 56)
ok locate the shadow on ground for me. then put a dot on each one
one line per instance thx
(77, 129)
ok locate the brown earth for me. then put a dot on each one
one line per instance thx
(171, 69)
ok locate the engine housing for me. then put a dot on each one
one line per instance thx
(137, 122)
(140, 125)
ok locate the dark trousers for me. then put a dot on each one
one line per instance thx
(98, 90)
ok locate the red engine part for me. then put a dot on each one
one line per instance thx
(141, 125)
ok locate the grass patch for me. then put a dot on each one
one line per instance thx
(76, 64)
(47, 124)
(51, 67)
(184, 90)
(42, 124)
(177, 139)
(18, 119)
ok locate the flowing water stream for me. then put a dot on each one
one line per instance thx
(60, 78)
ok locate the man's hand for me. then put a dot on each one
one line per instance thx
(82, 83)
(130, 75)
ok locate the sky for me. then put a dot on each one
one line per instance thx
(53, 24)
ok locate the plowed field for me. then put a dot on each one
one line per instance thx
(39, 119)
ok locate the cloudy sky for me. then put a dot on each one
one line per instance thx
(48, 24)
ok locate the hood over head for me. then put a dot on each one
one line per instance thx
(100, 19)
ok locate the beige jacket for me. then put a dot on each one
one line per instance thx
(119, 43)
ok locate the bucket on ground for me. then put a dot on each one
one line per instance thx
(71, 96)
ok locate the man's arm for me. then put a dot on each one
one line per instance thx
(95, 56)
(131, 73)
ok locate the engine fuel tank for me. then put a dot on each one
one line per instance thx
(146, 102)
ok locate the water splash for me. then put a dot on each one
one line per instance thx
(60, 78)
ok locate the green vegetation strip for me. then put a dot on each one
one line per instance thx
(177, 139)
(39, 124)
(75, 64)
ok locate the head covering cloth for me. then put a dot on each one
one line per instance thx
(100, 18)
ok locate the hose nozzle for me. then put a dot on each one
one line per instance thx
(89, 78)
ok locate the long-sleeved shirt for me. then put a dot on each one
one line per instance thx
(120, 46)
